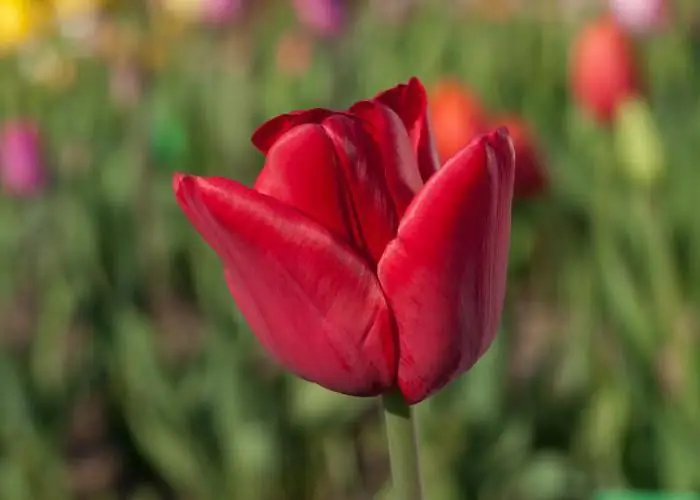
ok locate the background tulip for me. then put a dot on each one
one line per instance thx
(325, 17)
(22, 169)
(603, 70)
(530, 173)
(638, 142)
(640, 16)
(221, 11)
(456, 116)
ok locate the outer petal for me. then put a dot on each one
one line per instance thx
(312, 302)
(410, 102)
(445, 273)
(333, 172)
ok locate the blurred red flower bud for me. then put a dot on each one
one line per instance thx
(603, 69)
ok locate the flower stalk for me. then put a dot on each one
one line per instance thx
(403, 448)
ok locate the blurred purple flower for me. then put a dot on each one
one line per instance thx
(22, 169)
(325, 17)
(221, 11)
(639, 16)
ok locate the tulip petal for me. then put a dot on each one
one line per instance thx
(333, 172)
(302, 171)
(410, 102)
(269, 132)
(311, 301)
(398, 160)
(445, 274)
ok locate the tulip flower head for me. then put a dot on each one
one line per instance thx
(22, 169)
(358, 262)
(456, 115)
(324, 17)
(640, 16)
(603, 70)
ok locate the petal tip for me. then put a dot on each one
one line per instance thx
(499, 143)
(261, 136)
(502, 132)
(185, 186)
(414, 83)
(178, 178)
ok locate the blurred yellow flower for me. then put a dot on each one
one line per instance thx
(187, 10)
(71, 7)
(18, 20)
(639, 143)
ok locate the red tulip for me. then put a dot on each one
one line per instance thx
(603, 69)
(530, 173)
(457, 117)
(356, 262)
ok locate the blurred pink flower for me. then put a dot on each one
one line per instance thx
(22, 168)
(325, 17)
(221, 11)
(640, 16)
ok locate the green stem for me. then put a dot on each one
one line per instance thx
(403, 448)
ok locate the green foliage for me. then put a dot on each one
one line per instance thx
(124, 366)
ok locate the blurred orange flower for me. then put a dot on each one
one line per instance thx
(456, 115)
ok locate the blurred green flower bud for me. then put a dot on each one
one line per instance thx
(168, 136)
(638, 143)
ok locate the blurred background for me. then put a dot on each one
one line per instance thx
(126, 371)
